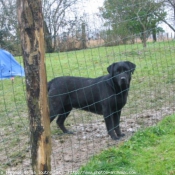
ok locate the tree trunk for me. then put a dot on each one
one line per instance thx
(32, 39)
(48, 39)
(144, 38)
(54, 39)
(83, 36)
(154, 35)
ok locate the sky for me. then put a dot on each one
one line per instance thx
(89, 10)
(91, 6)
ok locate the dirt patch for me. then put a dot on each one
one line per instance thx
(69, 152)
(90, 139)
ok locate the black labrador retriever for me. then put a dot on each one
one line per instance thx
(105, 95)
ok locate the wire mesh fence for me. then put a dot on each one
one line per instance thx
(84, 49)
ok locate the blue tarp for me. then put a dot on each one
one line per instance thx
(9, 67)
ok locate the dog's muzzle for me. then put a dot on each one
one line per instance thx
(123, 82)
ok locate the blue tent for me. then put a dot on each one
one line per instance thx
(9, 67)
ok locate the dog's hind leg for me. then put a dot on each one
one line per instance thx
(62, 117)
(53, 113)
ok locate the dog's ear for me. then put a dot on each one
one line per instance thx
(110, 69)
(132, 66)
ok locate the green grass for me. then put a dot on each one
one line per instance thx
(152, 88)
(148, 152)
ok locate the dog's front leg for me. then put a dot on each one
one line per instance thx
(116, 120)
(109, 125)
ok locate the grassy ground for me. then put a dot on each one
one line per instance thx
(152, 87)
(148, 152)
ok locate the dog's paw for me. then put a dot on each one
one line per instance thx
(69, 132)
(114, 137)
(121, 135)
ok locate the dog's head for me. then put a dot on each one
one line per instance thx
(121, 73)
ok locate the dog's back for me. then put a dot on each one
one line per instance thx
(78, 92)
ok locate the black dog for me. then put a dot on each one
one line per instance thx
(105, 95)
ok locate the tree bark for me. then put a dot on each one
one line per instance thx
(30, 20)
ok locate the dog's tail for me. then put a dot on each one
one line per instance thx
(49, 85)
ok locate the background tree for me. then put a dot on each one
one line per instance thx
(170, 18)
(57, 15)
(8, 26)
(133, 17)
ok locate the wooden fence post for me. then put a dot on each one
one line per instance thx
(30, 20)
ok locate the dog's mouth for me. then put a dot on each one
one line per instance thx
(124, 85)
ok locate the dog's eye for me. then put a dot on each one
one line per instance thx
(118, 71)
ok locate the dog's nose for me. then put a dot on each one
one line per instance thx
(123, 78)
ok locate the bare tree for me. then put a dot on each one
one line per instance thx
(170, 8)
(8, 24)
(58, 14)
